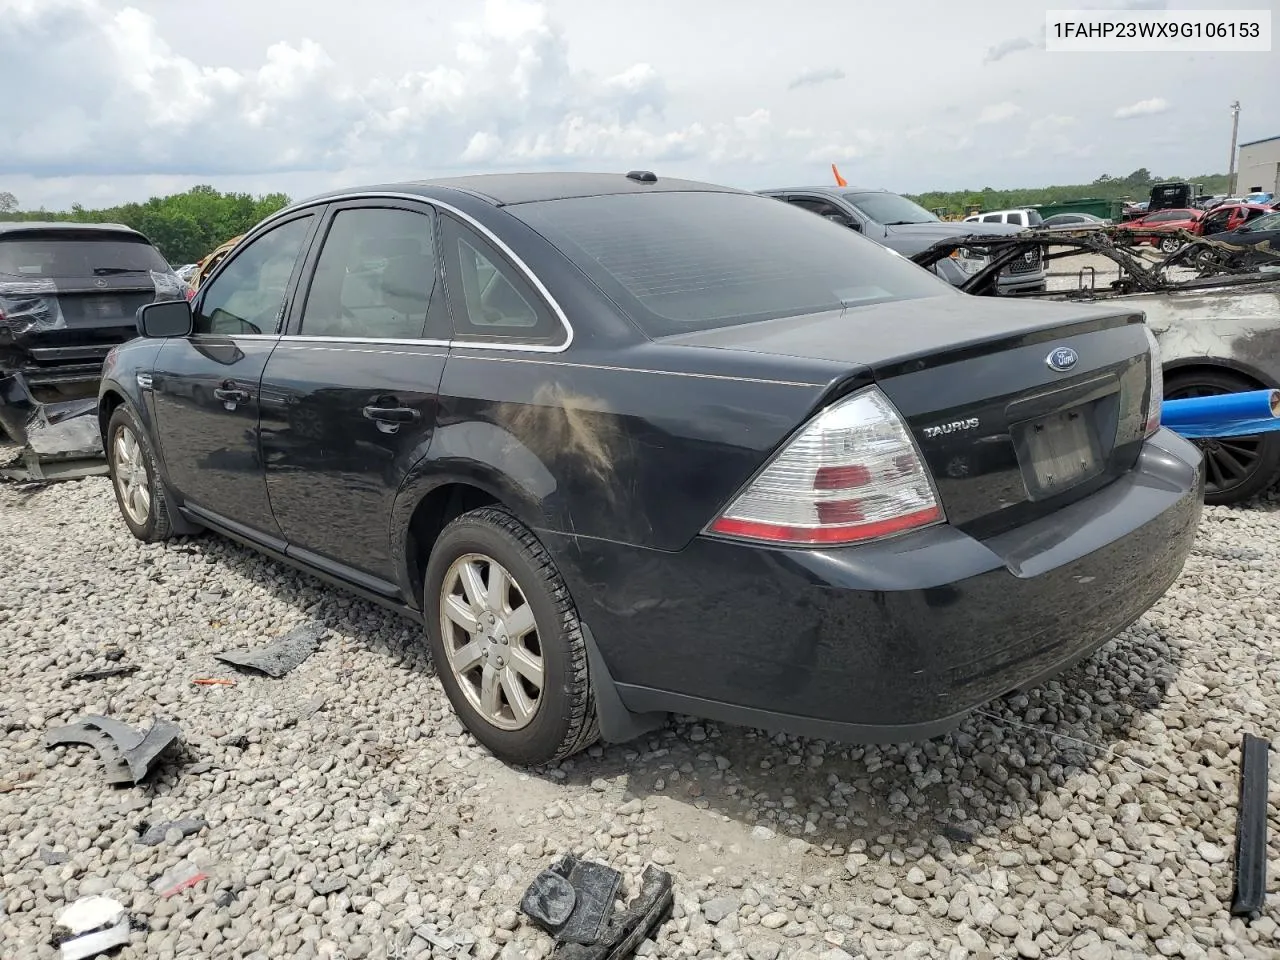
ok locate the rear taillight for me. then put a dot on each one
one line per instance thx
(852, 474)
(1155, 374)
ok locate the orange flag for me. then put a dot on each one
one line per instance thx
(840, 181)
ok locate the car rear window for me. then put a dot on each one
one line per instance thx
(685, 261)
(77, 255)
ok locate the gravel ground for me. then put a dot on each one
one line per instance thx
(1091, 818)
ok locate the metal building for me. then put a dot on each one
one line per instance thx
(1259, 167)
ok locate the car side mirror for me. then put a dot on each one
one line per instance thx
(1244, 229)
(167, 318)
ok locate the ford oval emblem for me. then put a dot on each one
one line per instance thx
(1062, 359)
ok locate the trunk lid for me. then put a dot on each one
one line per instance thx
(1007, 435)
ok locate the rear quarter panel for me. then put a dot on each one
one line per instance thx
(642, 446)
(1235, 329)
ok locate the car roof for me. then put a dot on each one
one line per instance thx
(41, 226)
(503, 189)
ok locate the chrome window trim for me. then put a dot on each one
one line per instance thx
(480, 228)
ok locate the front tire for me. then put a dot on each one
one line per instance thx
(136, 478)
(1170, 245)
(1236, 468)
(505, 638)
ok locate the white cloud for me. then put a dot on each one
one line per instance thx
(1006, 47)
(815, 76)
(1143, 108)
(999, 112)
(508, 96)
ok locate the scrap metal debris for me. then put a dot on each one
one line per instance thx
(126, 755)
(213, 682)
(573, 900)
(1251, 830)
(123, 670)
(152, 835)
(281, 655)
(90, 926)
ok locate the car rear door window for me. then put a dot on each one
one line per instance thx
(374, 276)
(1016, 218)
(248, 295)
(993, 218)
(489, 297)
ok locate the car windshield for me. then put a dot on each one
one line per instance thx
(683, 261)
(890, 209)
(1034, 219)
(1270, 222)
(77, 255)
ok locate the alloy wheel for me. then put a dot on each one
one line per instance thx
(1228, 461)
(491, 641)
(130, 475)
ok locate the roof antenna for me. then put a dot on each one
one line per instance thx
(642, 176)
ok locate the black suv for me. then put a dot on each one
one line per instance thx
(69, 292)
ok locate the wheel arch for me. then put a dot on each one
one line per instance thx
(1186, 365)
(425, 506)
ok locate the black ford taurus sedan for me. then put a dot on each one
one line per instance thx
(627, 446)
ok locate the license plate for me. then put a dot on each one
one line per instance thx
(102, 308)
(1059, 451)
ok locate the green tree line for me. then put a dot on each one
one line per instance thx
(183, 226)
(1136, 187)
(187, 226)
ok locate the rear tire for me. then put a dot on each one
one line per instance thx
(487, 647)
(1170, 245)
(1236, 468)
(136, 478)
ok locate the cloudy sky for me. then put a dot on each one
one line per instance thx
(123, 99)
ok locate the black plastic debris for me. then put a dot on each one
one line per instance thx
(573, 900)
(153, 835)
(281, 655)
(103, 673)
(1251, 830)
(550, 899)
(625, 931)
(126, 754)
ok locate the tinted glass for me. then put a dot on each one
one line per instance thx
(993, 218)
(490, 298)
(78, 255)
(1270, 222)
(374, 276)
(689, 261)
(1016, 219)
(247, 296)
(889, 208)
(1034, 219)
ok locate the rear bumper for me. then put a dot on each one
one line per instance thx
(893, 641)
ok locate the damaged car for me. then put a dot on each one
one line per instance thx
(69, 292)
(1218, 328)
(626, 445)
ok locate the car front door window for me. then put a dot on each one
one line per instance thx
(248, 296)
(374, 276)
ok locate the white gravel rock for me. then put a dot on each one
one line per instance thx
(348, 813)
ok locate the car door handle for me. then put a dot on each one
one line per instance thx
(392, 414)
(231, 395)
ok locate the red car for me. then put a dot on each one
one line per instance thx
(1150, 229)
(1229, 216)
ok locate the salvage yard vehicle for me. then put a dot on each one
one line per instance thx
(1161, 229)
(1218, 332)
(906, 227)
(69, 292)
(627, 446)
